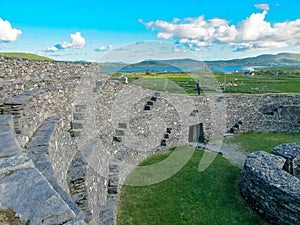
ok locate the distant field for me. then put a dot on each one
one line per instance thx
(281, 80)
(24, 56)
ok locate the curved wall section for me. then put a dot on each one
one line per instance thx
(269, 190)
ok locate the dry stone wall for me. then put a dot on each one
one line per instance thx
(263, 113)
(84, 133)
(34, 92)
(269, 189)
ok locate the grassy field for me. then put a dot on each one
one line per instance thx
(193, 197)
(24, 56)
(251, 142)
(279, 80)
(189, 197)
(264, 81)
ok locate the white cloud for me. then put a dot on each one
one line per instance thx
(7, 33)
(63, 45)
(252, 33)
(104, 48)
(262, 6)
(51, 49)
(77, 41)
(255, 27)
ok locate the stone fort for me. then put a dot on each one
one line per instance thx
(70, 136)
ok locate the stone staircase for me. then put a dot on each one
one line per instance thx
(78, 120)
(26, 179)
(38, 150)
(152, 101)
(120, 132)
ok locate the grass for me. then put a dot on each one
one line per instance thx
(261, 84)
(279, 80)
(189, 197)
(172, 82)
(193, 197)
(252, 142)
(24, 56)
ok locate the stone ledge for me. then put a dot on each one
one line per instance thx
(9, 145)
(33, 198)
(15, 162)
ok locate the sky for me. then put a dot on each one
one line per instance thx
(209, 29)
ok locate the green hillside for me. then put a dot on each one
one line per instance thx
(279, 59)
(24, 56)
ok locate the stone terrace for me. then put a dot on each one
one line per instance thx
(70, 136)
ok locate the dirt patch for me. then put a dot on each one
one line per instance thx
(9, 217)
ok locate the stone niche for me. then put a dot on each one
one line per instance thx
(270, 184)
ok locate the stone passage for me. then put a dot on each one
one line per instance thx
(196, 133)
(269, 189)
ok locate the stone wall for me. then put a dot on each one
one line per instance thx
(291, 153)
(269, 189)
(27, 180)
(101, 129)
(263, 113)
(36, 91)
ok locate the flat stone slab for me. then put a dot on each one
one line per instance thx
(15, 162)
(31, 196)
(76, 222)
(9, 145)
(44, 133)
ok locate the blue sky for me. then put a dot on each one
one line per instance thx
(211, 29)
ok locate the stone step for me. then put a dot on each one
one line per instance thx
(122, 125)
(78, 116)
(77, 125)
(38, 150)
(76, 179)
(157, 94)
(153, 99)
(80, 108)
(32, 197)
(120, 132)
(117, 139)
(163, 142)
(147, 107)
(149, 103)
(15, 162)
(24, 188)
(9, 144)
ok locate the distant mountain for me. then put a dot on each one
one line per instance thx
(267, 59)
(166, 63)
(170, 61)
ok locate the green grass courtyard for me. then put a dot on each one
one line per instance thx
(193, 197)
